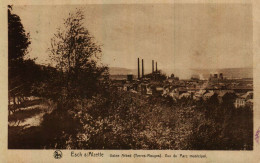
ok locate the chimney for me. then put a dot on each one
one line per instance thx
(138, 68)
(152, 66)
(142, 68)
(156, 66)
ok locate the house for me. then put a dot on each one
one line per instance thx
(157, 91)
(222, 93)
(240, 102)
(174, 93)
(144, 89)
(248, 95)
(199, 94)
(149, 91)
(185, 95)
(127, 87)
(249, 102)
(207, 95)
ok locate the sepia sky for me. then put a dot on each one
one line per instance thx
(177, 36)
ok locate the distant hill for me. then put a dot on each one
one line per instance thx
(121, 71)
(205, 73)
(187, 73)
(228, 72)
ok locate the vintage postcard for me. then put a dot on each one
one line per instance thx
(135, 81)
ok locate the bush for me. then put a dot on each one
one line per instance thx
(124, 120)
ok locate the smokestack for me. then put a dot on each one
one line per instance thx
(142, 68)
(152, 66)
(138, 69)
(156, 66)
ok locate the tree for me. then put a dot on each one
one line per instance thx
(18, 43)
(76, 55)
(18, 39)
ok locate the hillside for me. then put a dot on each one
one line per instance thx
(187, 73)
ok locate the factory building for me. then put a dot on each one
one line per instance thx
(216, 77)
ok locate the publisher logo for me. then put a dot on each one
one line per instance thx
(57, 154)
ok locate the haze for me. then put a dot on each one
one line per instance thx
(177, 36)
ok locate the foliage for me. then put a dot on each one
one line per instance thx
(21, 73)
(124, 120)
(18, 42)
(18, 39)
(225, 128)
(76, 55)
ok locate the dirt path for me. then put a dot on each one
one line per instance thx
(31, 114)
